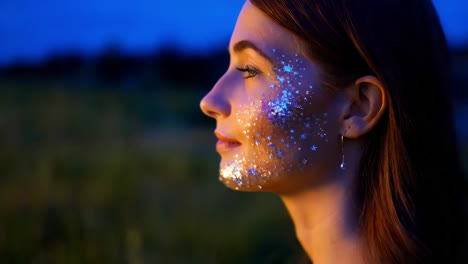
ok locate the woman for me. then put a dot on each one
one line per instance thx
(341, 108)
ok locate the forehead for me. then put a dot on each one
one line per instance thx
(255, 26)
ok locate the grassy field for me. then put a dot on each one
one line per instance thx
(120, 176)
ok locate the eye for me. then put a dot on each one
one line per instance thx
(249, 71)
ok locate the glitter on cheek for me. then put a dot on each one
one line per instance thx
(232, 171)
(252, 172)
(287, 68)
(279, 132)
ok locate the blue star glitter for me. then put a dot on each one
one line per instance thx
(251, 171)
(313, 148)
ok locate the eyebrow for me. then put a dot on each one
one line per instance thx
(247, 44)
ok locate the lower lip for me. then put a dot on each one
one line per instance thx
(223, 146)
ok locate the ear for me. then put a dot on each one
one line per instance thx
(367, 103)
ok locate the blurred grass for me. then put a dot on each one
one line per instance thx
(123, 176)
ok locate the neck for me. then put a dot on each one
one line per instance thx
(325, 219)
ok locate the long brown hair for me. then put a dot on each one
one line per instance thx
(410, 190)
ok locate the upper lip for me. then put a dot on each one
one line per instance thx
(222, 137)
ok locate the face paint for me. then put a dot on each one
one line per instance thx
(281, 129)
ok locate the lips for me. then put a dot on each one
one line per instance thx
(225, 143)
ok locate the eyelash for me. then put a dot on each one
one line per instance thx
(249, 71)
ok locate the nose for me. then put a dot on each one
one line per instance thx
(215, 104)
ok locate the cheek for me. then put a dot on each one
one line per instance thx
(297, 111)
(285, 132)
(293, 128)
(284, 135)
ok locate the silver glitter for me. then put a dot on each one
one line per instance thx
(232, 171)
(279, 119)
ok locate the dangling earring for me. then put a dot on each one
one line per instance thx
(342, 165)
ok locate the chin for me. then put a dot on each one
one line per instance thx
(271, 187)
(243, 187)
(249, 182)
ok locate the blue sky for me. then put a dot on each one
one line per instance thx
(32, 29)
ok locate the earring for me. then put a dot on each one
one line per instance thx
(342, 165)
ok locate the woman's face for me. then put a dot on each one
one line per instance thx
(278, 129)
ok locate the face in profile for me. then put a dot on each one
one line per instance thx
(278, 129)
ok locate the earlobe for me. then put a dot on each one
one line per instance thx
(368, 102)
